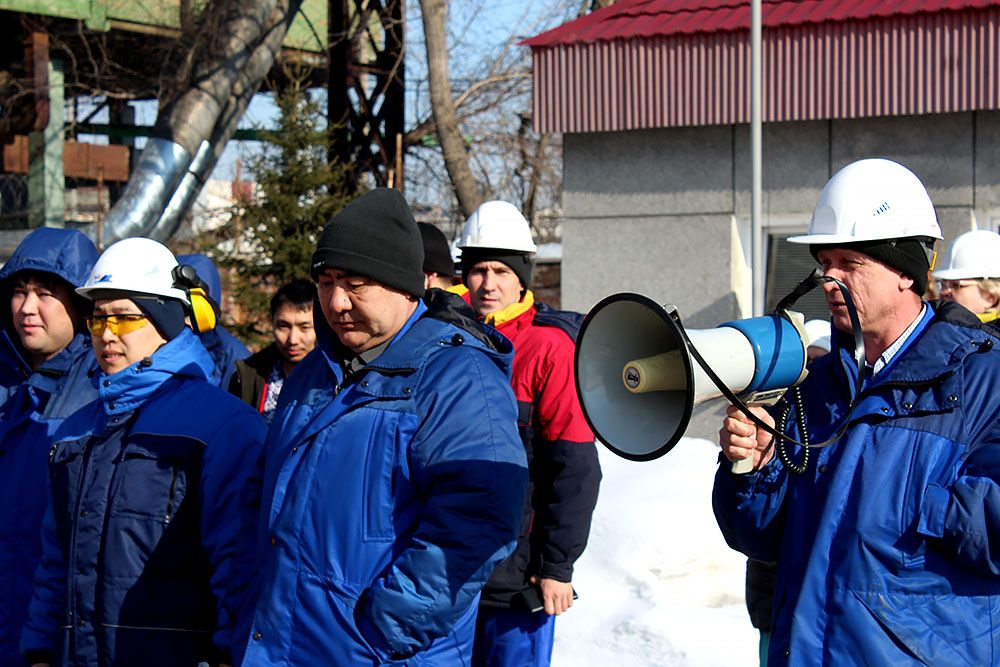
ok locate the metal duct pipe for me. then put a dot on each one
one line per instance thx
(249, 36)
(184, 195)
(259, 64)
(160, 170)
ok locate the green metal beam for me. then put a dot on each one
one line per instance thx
(46, 182)
(308, 31)
(132, 131)
(66, 9)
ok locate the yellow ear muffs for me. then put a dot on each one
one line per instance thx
(203, 313)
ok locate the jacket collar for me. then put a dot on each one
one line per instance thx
(129, 388)
(511, 312)
(48, 375)
(12, 351)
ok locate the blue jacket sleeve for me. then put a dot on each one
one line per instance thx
(47, 612)
(228, 465)
(748, 508)
(962, 519)
(469, 464)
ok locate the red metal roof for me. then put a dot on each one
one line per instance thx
(629, 19)
(930, 62)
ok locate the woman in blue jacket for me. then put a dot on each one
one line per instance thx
(44, 364)
(141, 564)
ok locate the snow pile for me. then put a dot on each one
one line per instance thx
(658, 585)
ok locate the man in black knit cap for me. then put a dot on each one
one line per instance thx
(439, 267)
(394, 477)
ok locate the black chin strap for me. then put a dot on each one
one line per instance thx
(815, 280)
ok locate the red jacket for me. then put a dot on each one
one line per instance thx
(562, 459)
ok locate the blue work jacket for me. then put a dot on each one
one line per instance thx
(141, 563)
(389, 496)
(887, 544)
(33, 403)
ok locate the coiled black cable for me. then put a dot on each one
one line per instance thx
(800, 419)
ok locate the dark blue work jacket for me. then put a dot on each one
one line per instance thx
(33, 403)
(141, 562)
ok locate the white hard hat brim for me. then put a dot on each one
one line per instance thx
(92, 291)
(839, 239)
(958, 274)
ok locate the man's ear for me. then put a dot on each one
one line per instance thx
(905, 282)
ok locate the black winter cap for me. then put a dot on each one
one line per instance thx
(909, 256)
(519, 262)
(437, 254)
(167, 315)
(374, 236)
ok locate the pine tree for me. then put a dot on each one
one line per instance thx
(272, 236)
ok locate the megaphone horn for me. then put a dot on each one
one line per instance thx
(638, 381)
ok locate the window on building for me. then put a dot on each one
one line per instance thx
(787, 265)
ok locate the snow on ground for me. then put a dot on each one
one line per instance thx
(658, 585)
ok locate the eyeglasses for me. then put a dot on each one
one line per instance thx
(119, 324)
(953, 285)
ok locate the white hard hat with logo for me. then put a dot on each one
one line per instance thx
(974, 254)
(499, 225)
(870, 200)
(138, 265)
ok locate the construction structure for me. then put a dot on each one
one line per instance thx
(54, 53)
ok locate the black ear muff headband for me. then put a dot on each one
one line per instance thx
(204, 312)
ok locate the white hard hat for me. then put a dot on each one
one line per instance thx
(871, 200)
(138, 265)
(498, 225)
(974, 254)
(819, 333)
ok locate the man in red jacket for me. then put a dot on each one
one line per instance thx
(517, 613)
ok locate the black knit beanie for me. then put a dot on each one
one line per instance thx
(909, 256)
(374, 236)
(167, 315)
(519, 262)
(437, 254)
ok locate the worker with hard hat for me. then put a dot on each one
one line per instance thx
(141, 545)
(970, 274)
(528, 590)
(883, 539)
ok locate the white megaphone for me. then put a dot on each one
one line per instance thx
(638, 378)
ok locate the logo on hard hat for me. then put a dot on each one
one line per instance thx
(106, 278)
(883, 208)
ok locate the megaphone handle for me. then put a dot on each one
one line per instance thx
(745, 466)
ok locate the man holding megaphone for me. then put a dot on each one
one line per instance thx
(883, 537)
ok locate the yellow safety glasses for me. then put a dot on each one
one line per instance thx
(119, 324)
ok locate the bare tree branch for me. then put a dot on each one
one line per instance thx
(443, 107)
